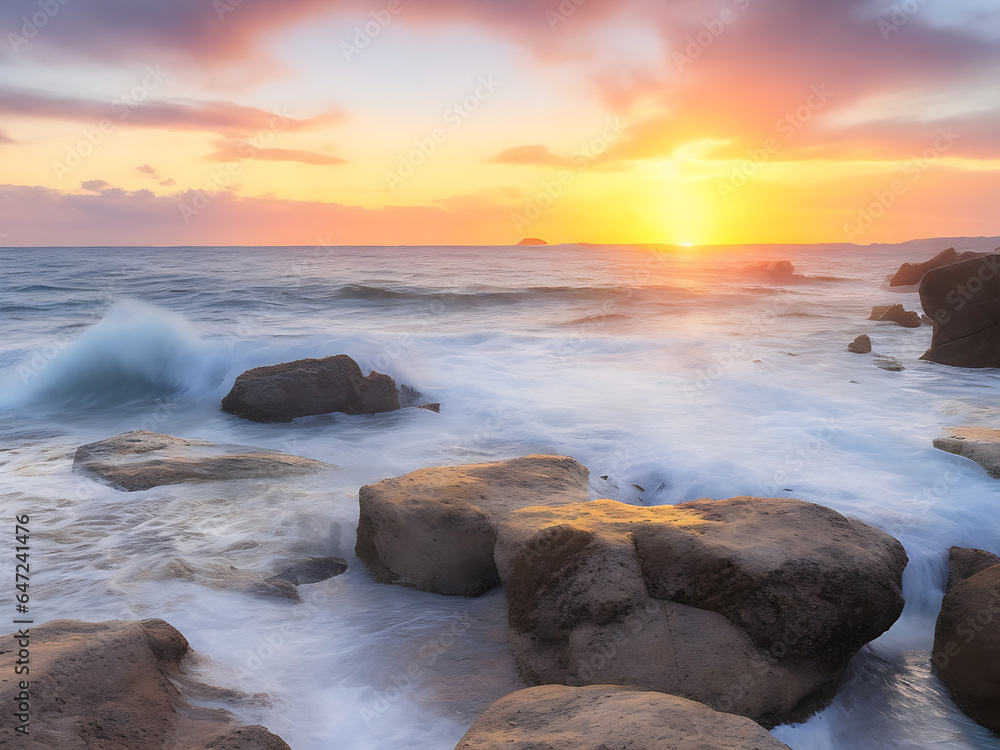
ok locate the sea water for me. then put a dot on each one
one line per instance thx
(672, 371)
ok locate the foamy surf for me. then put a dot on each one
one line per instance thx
(733, 387)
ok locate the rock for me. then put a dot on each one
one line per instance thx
(781, 270)
(967, 646)
(225, 578)
(888, 363)
(925, 320)
(313, 570)
(113, 686)
(964, 563)
(529, 241)
(911, 273)
(861, 345)
(555, 717)
(435, 529)
(896, 314)
(228, 578)
(963, 300)
(750, 606)
(140, 460)
(281, 393)
(436, 408)
(975, 443)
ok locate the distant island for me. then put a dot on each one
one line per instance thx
(531, 241)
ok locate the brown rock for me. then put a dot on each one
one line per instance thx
(963, 299)
(750, 606)
(861, 345)
(113, 686)
(911, 273)
(964, 563)
(281, 393)
(975, 443)
(967, 646)
(555, 717)
(135, 461)
(435, 529)
(896, 314)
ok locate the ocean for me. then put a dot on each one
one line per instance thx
(672, 371)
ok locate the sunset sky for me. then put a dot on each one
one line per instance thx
(386, 122)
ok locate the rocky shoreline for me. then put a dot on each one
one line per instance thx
(702, 624)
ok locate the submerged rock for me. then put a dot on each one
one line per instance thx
(114, 686)
(888, 363)
(896, 314)
(967, 646)
(555, 717)
(963, 300)
(281, 393)
(912, 273)
(751, 606)
(435, 529)
(975, 443)
(229, 578)
(861, 345)
(964, 563)
(313, 570)
(140, 460)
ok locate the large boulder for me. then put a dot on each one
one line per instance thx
(967, 646)
(896, 314)
(141, 460)
(910, 274)
(978, 444)
(603, 717)
(964, 563)
(435, 529)
(281, 393)
(113, 686)
(748, 605)
(963, 300)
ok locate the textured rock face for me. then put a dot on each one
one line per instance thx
(750, 606)
(555, 717)
(911, 273)
(435, 529)
(860, 345)
(976, 444)
(136, 461)
(281, 393)
(964, 563)
(967, 646)
(111, 686)
(896, 314)
(963, 300)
